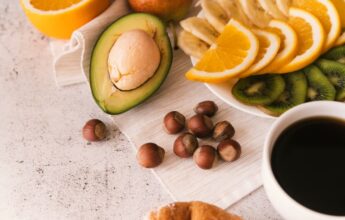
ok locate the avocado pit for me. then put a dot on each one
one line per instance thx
(133, 59)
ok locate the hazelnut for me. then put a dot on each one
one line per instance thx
(208, 108)
(174, 122)
(150, 155)
(229, 150)
(185, 145)
(94, 130)
(223, 130)
(200, 125)
(205, 157)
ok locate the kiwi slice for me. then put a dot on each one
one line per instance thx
(337, 54)
(334, 71)
(319, 87)
(295, 93)
(259, 90)
(340, 95)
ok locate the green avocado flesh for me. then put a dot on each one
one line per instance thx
(110, 99)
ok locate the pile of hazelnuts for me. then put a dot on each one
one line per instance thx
(186, 145)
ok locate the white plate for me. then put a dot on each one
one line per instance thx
(223, 91)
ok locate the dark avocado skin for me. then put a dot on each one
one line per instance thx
(118, 102)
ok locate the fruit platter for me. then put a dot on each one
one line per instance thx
(265, 57)
(262, 57)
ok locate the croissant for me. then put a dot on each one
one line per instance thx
(190, 211)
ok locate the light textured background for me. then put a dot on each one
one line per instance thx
(47, 171)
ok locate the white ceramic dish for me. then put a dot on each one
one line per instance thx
(283, 203)
(223, 91)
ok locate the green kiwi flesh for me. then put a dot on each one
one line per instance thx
(295, 93)
(259, 90)
(336, 54)
(334, 71)
(319, 87)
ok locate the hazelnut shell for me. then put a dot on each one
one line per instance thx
(150, 155)
(229, 150)
(223, 130)
(200, 125)
(208, 108)
(185, 145)
(94, 130)
(205, 157)
(174, 122)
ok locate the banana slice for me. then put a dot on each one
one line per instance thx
(284, 6)
(200, 28)
(255, 12)
(272, 9)
(192, 45)
(234, 10)
(215, 14)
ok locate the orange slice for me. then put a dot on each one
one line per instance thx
(340, 6)
(59, 18)
(288, 46)
(269, 44)
(311, 38)
(327, 14)
(235, 51)
(341, 39)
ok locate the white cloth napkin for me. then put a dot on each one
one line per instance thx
(223, 185)
(71, 59)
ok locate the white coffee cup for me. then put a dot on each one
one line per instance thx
(282, 202)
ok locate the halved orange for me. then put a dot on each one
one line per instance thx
(59, 18)
(234, 52)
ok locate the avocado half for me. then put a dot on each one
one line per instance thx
(110, 99)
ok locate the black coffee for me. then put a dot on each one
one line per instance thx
(308, 160)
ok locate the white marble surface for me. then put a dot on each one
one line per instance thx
(47, 170)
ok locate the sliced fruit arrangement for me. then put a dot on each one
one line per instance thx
(269, 44)
(233, 52)
(275, 94)
(294, 94)
(327, 14)
(291, 34)
(311, 36)
(306, 28)
(288, 45)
